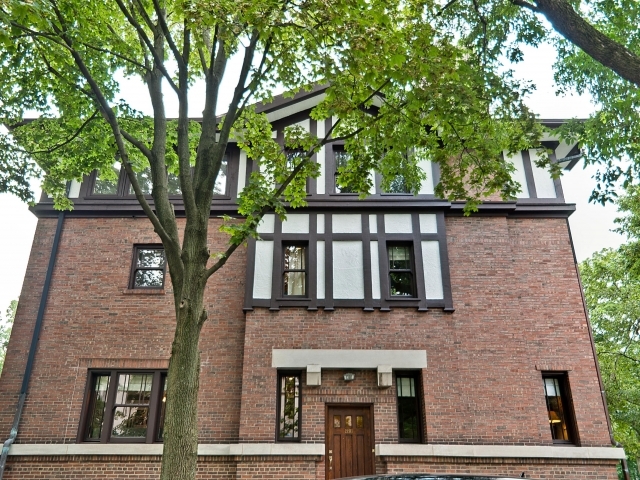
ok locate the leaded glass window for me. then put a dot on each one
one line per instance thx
(289, 406)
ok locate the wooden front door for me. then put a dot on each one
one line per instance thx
(349, 441)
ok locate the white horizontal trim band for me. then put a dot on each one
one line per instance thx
(300, 358)
(499, 451)
(216, 449)
(393, 450)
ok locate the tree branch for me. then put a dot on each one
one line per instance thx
(600, 47)
(115, 54)
(167, 33)
(70, 139)
(138, 144)
(525, 4)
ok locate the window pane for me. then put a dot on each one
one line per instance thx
(98, 403)
(289, 406)
(401, 284)
(220, 187)
(294, 258)
(294, 283)
(399, 258)
(134, 389)
(150, 257)
(144, 180)
(341, 158)
(555, 408)
(107, 186)
(408, 412)
(398, 185)
(148, 278)
(130, 422)
(163, 404)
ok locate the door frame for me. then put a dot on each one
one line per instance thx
(363, 405)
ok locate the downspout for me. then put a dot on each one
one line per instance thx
(34, 345)
(625, 466)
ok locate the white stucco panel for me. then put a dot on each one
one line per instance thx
(373, 223)
(296, 223)
(267, 223)
(242, 171)
(545, 187)
(428, 223)
(432, 270)
(74, 189)
(348, 270)
(346, 223)
(397, 223)
(320, 223)
(321, 159)
(320, 270)
(375, 271)
(518, 175)
(263, 269)
(427, 184)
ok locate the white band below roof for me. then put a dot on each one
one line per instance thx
(389, 450)
(300, 358)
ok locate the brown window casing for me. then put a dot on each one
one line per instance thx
(561, 416)
(289, 406)
(135, 268)
(409, 407)
(105, 408)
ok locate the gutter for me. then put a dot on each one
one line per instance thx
(603, 394)
(34, 345)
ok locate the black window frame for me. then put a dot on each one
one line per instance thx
(134, 267)
(568, 413)
(411, 270)
(284, 270)
(156, 404)
(416, 376)
(282, 374)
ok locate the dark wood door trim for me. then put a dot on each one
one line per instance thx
(349, 449)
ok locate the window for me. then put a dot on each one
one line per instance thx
(106, 183)
(401, 274)
(341, 159)
(408, 407)
(398, 185)
(148, 267)
(559, 408)
(125, 407)
(289, 406)
(295, 271)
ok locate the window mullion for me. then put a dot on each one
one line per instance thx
(107, 422)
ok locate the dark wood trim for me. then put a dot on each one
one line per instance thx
(328, 263)
(383, 261)
(366, 260)
(444, 264)
(312, 265)
(276, 272)
(528, 173)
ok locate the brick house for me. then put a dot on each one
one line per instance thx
(390, 334)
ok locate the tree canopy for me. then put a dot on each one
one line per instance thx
(407, 80)
(611, 281)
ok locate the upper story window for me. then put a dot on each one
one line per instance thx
(295, 270)
(289, 406)
(398, 185)
(408, 398)
(108, 185)
(341, 158)
(124, 406)
(559, 408)
(148, 267)
(401, 271)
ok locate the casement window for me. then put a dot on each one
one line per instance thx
(294, 271)
(408, 402)
(124, 406)
(289, 406)
(148, 267)
(103, 185)
(559, 408)
(401, 270)
(341, 158)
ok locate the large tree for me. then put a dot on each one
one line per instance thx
(402, 90)
(611, 280)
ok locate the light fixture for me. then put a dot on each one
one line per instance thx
(349, 377)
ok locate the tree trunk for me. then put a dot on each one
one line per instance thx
(180, 457)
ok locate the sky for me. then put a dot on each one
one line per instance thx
(591, 224)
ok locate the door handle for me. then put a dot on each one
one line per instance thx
(330, 462)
